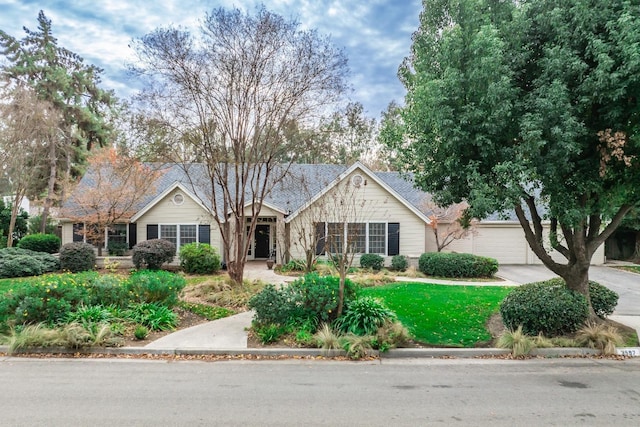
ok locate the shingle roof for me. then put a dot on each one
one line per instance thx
(302, 183)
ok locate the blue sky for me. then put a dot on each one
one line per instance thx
(376, 34)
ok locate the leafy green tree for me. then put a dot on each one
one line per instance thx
(529, 106)
(20, 227)
(59, 77)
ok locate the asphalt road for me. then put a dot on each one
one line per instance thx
(626, 284)
(70, 392)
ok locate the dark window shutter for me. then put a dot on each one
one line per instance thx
(393, 238)
(152, 231)
(320, 238)
(78, 232)
(133, 235)
(204, 234)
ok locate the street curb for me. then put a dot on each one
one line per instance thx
(400, 353)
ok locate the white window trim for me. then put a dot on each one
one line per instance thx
(178, 243)
(345, 234)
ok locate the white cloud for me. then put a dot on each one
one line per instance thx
(375, 34)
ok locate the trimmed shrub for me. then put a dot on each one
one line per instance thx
(603, 300)
(199, 258)
(310, 300)
(117, 248)
(39, 242)
(77, 256)
(316, 297)
(372, 261)
(16, 262)
(444, 264)
(151, 254)
(161, 287)
(548, 307)
(271, 306)
(399, 262)
(364, 316)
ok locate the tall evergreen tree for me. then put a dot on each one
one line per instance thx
(61, 78)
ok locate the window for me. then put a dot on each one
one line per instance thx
(188, 234)
(357, 237)
(170, 233)
(335, 237)
(180, 234)
(377, 238)
(373, 237)
(117, 233)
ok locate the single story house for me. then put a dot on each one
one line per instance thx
(315, 204)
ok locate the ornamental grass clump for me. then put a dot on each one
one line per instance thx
(599, 336)
(517, 341)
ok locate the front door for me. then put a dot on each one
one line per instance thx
(262, 241)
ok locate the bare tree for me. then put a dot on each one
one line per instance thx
(347, 206)
(302, 233)
(226, 98)
(448, 223)
(110, 192)
(27, 126)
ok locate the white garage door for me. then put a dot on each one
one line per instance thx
(507, 245)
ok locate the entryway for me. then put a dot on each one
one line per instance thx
(262, 240)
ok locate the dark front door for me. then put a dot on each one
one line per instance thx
(262, 241)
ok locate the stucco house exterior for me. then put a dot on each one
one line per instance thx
(383, 210)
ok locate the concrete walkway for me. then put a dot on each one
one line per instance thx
(230, 333)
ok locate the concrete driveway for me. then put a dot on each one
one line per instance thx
(626, 284)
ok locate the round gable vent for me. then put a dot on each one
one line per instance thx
(357, 180)
(178, 199)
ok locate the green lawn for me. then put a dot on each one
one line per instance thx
(442, 315)
(631, 268)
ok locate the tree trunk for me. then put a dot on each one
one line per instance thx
(577, 279)
(12, 221)
(48, 201)
(343, 278)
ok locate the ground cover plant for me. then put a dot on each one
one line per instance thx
(442, 315)
(84, 309)
(17, 262)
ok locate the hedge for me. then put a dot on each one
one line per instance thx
(444, 264)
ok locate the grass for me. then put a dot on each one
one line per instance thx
(631, 268)
(441, 315)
